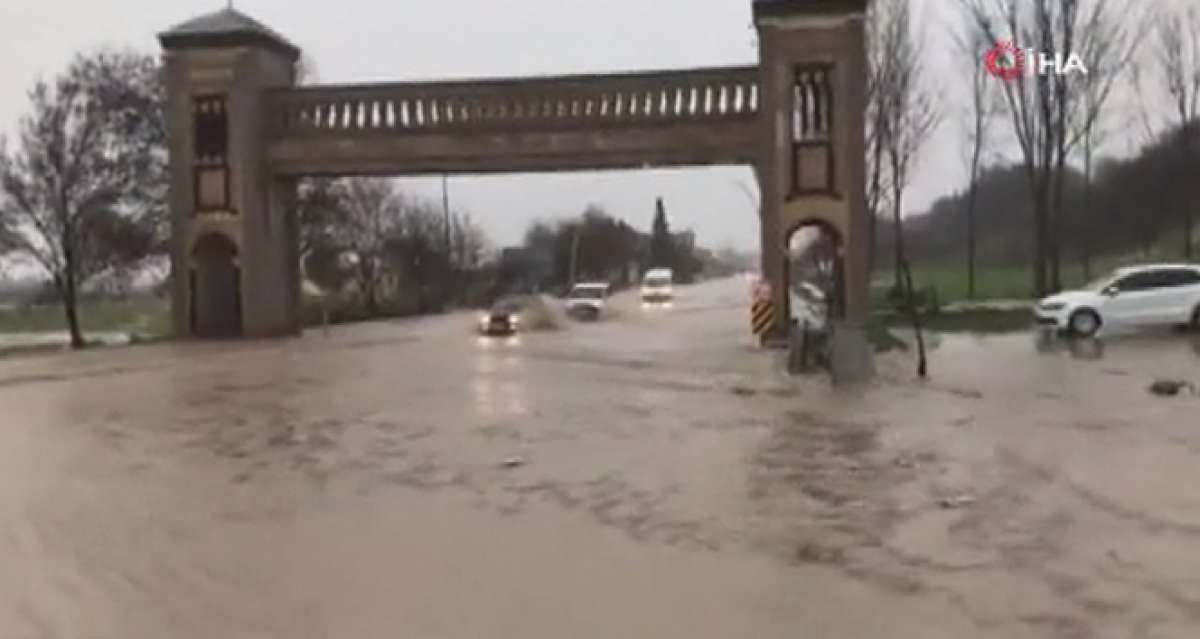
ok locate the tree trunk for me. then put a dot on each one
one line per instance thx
(972, 196)
(971, 240)
(1042, 169)
(1187, 231)
(872, 240)
(1041, 230)
(1066, 18)
(1058, 216)
(367, 284)
(1188, 220)
(898, 235)
(372, 305)
(911, 295)
(67, 291)
(1085, 234)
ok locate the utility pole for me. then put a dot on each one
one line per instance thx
(446, 282)
(446, 211)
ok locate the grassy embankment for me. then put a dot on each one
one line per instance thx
(1002, 300)
(148, 318)
(26, 327)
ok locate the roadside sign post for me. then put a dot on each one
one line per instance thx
(762, 311)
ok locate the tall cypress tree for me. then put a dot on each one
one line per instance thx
(662, 245)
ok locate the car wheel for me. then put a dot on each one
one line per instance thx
(1195, 323)
(1084, 323)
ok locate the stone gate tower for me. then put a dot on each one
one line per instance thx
(812, 169)
(234, 238)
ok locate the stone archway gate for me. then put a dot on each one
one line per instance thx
(241, 133)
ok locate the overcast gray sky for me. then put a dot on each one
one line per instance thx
(374, 40)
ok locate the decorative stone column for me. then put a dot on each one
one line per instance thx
(218, 68)
(812, 165)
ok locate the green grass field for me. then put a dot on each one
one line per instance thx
(146, 318)
(950, 282)
(991, 283)
(949, 277)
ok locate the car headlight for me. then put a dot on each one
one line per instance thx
(1053, 306)
(515, 318)
(484, 320)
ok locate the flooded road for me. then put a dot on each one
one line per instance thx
(652, 475)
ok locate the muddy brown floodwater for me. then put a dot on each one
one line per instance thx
(647, 476)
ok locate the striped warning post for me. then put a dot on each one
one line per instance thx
(762, 317)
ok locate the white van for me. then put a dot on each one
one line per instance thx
(657, 285)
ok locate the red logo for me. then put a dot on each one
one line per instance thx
(1005, 61)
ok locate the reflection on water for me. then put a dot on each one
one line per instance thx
(1047, 342)
(658, 306)
(1089, 348)
(493, 343)
(498, 385)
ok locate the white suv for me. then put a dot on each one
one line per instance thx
(1166, 294)
(587, 301)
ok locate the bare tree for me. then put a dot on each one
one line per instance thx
(1178, 57)
(1095, 31)
(879, 63)
(467, 243)
(1042, 106)
(910, 113)
(82, 194)
(1059, 34)
(1029, 107)
(1107, 50)
(417, 252)
(321, 209)
(978, 120)
(373, 214)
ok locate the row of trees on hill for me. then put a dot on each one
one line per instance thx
(1132, 207)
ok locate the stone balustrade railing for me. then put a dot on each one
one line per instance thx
(519, 104)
